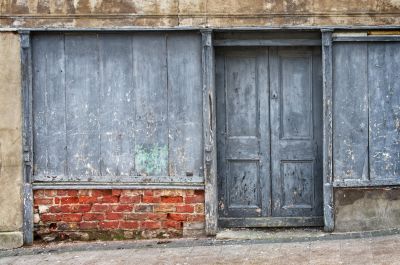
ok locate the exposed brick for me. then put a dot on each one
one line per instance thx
(100, 193)
(171, 199)
(109, 224)
(114, 216)
(100, 207)
(148, 193)
(122, 208)
(108, 199)
(38, 193)
(196, 218)
(62, 192)
(146, 216)
(87, 199)
(39, 201)
(150, 225)
(172, 224)
(164, 208)
(131, 193)
(177, 216)
(69, 200)
(131, 210)
(129, 199)
(72, 217)
(55, 209)
(129, 225)
(116, 192)
(75, 208)
(144, 208)
(84, 193)
(88, 225)
(72, 193)
(199, 208)
(93, 216)
(195, 199)
(151, 199)
(49, 217)
(50, 193)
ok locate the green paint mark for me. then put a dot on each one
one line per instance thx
(151, 160)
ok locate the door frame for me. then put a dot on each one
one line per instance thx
(209, 117)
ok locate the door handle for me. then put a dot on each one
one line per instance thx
(274, 95)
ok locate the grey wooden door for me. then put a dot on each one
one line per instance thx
(269, 126)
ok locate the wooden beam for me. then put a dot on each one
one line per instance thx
(327, 129)
(121, 179)
(366, 38)
(269, 42)
(356, 183)
(124, 186)
(209, 134)
(26, 77)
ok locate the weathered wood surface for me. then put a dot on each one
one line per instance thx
(384, 110)
(366, 113)
(296, 131)
(327, 146)
(350, 111)
(117, 105)
(209, 133)
(263, 175)
(27, 200)
(272, 221)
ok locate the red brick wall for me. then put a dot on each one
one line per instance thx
(117, 214)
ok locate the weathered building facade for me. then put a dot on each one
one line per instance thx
(140, 119)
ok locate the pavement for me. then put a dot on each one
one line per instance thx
(314, 248)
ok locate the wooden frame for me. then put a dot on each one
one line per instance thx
(209, 135)
(26, 77)
(327, 129)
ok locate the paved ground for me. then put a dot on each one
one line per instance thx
(364, 250)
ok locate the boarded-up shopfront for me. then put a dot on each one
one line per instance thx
(157, 130)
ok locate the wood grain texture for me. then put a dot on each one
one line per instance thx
(110, 105)
(350, 111)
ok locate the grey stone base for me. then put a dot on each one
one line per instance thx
(9, 240)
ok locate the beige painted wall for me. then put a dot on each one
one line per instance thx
(197, 13)
(10, 134)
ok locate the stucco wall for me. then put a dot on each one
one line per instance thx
(367, 209)
(198, 13)
(10, 140)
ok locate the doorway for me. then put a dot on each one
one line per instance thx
(269, 136)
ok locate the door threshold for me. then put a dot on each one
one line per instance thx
(271, 234)
(233, 222)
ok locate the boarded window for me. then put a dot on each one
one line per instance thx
(117, 105)
(366, 108)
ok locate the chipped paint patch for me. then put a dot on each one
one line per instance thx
(151, 160)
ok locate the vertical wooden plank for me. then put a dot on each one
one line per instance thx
(117, 105)
(26, 77)
(39, 107)
(350, 110)
(384, 110)
(220, 129)
(327, 152)
(49, 105)
(82, 103)
(185, 104)
(151, 100)
(209, 133)
(263, 77)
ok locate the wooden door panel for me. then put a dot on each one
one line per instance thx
(269, 117)
(242, 139)
(295, 132)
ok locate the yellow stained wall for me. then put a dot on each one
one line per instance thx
(10, 141)
(196, 13)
